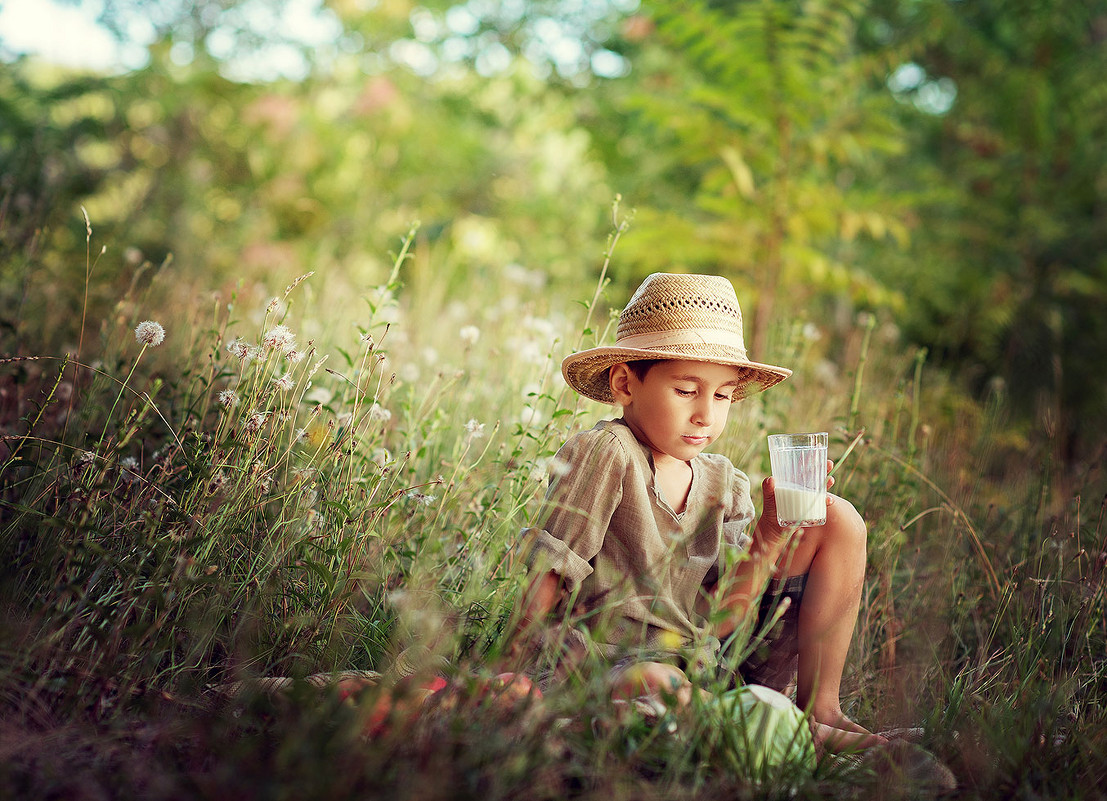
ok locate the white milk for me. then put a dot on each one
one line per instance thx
(798, 505)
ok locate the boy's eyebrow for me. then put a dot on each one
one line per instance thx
(699, 380)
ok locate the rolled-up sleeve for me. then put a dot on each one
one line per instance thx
(579, 505)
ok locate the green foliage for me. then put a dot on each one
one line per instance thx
(1006, 265)
(770, 124)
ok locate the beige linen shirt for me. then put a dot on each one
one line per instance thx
(633, 566)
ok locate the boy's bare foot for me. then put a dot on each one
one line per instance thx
(834, 740)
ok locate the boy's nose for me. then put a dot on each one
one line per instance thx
(703, 414)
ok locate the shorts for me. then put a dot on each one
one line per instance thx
(773, 654)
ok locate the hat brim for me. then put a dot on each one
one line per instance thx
(586, 371)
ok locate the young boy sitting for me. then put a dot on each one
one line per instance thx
(643, 527)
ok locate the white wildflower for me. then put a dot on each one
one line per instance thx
(469, 335)
(421, 498)
(238, 347)
(228, 399)
(284, 383)
(149, 333)
(474, 430)
(279, 337)
(255, 421)
(379, 413)
(128, 469)
(304, 474)
(295, 356)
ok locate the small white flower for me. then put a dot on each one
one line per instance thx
(279, 337)
(379, 413)
(129, 468)
(228, 399)
(149, 333)
(303, 474)
(284, 383)
(238, 347)
(474, 430)
(421, 498)
(295, 356)
(255, 421)
(469, 335)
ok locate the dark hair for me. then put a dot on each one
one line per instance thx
(641, 367)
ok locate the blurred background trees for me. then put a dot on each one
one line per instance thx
(938, 163)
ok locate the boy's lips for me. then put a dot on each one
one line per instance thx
(691, 439)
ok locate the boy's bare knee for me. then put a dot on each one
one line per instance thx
(846, 523)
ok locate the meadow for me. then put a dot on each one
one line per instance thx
(292, 480)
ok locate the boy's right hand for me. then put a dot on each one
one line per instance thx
(769, 538)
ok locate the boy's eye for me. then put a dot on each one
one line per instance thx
(684, 393)
(721, 396)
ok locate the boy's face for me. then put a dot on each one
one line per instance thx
(679, 407)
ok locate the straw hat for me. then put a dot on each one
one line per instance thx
(671, 316)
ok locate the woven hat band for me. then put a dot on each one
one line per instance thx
(685, 336)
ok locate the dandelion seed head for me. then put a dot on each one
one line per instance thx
(295, 356)
(379, 413)
(279, 337)
(284, 383)
(238, 347)
(149, 333)
(255, 421)
(474, 429)
(304, 474)
(469, 334)
(228, 399)
(422, 499)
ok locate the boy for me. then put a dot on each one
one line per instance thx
(643, 524)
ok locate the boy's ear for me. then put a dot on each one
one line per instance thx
(619, 379)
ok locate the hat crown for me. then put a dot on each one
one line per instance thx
(700, 309)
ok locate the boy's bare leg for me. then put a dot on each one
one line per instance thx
(833, 556)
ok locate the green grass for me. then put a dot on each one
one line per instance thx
(363, 499)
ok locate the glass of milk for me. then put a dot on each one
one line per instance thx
(799, 468)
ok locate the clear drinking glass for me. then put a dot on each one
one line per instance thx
(799, 468)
